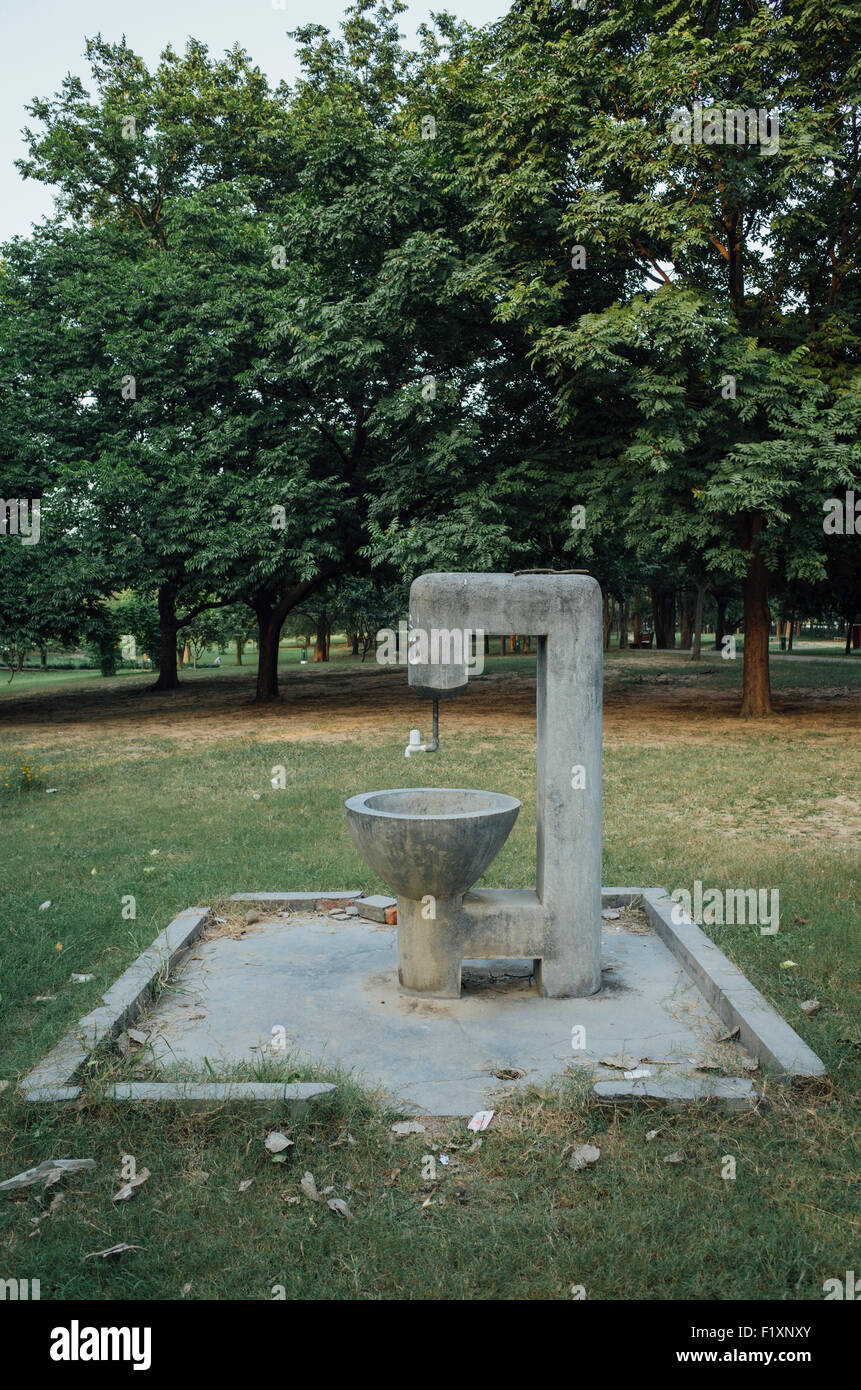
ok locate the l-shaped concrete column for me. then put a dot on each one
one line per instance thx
(564, 612)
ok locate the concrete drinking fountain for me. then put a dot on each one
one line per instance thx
(632, 988)
(434, 843)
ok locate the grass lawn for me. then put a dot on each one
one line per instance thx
(155, 799)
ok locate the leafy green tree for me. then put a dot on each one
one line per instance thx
(720, 380)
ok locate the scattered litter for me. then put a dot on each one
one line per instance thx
(636, 1074)
(129, 1188)
(811, 1006)
(55, 1203)
(623, 1060)
(509, 1073)
(480, 1120)
(652, 1134)
(3, 1085)
(245, 1184)
(276, 1142)
(340, 1208)
(408, 1127)
(309, 1187)
(60, 1166)
(750, 1063)
(82, 979)
(48, 790)
(255, 796)
(475, 1146)
(787, 964)
(677, 1157)
(112, 1250)
(703, 1064)
(611, 913)
(45, 999)
(583, 1156)
(45, 904)
(728, 1037)
(444, 1160)
(252, 915)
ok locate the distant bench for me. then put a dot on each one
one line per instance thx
(644, 640)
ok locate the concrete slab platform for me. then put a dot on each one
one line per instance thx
(332, 987)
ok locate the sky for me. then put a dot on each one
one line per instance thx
(44, 39)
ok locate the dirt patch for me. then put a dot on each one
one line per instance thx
(126, 717)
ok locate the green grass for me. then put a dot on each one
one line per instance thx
(736, 805)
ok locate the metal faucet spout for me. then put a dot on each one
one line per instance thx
(415, 744)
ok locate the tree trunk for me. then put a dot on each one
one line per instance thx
(791, 627)
(756, 683)
(638, 628)
(268, 632)
(43, 654)
(687, 617)
(486, 645)
(608, 620)
(321, 645)
(623, 627)
(720, 622)
(168, 677)
(354, 643)
(664, 617)
(239, 645)
(697, 647)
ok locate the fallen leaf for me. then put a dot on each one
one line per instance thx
(408, 1127)
(128, 1188)
(611, 913)
(82, 979)
(728, 1037)
(787, 964)
(44, 905)
(245, 1184)
(623, 1060)
(309, 1187)
(750, 1063)
(677, 1157)
(652, 1134)
(112, 1250)
(584, 1155)
(277, 1142)
(61, 1166)
(340, 1208)
(811, 1006)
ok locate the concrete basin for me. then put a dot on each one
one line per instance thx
(430, 840)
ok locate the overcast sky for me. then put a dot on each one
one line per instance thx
(44, 39)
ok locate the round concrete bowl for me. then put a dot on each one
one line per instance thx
(435, 840)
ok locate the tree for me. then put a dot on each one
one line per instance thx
(722, 381)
